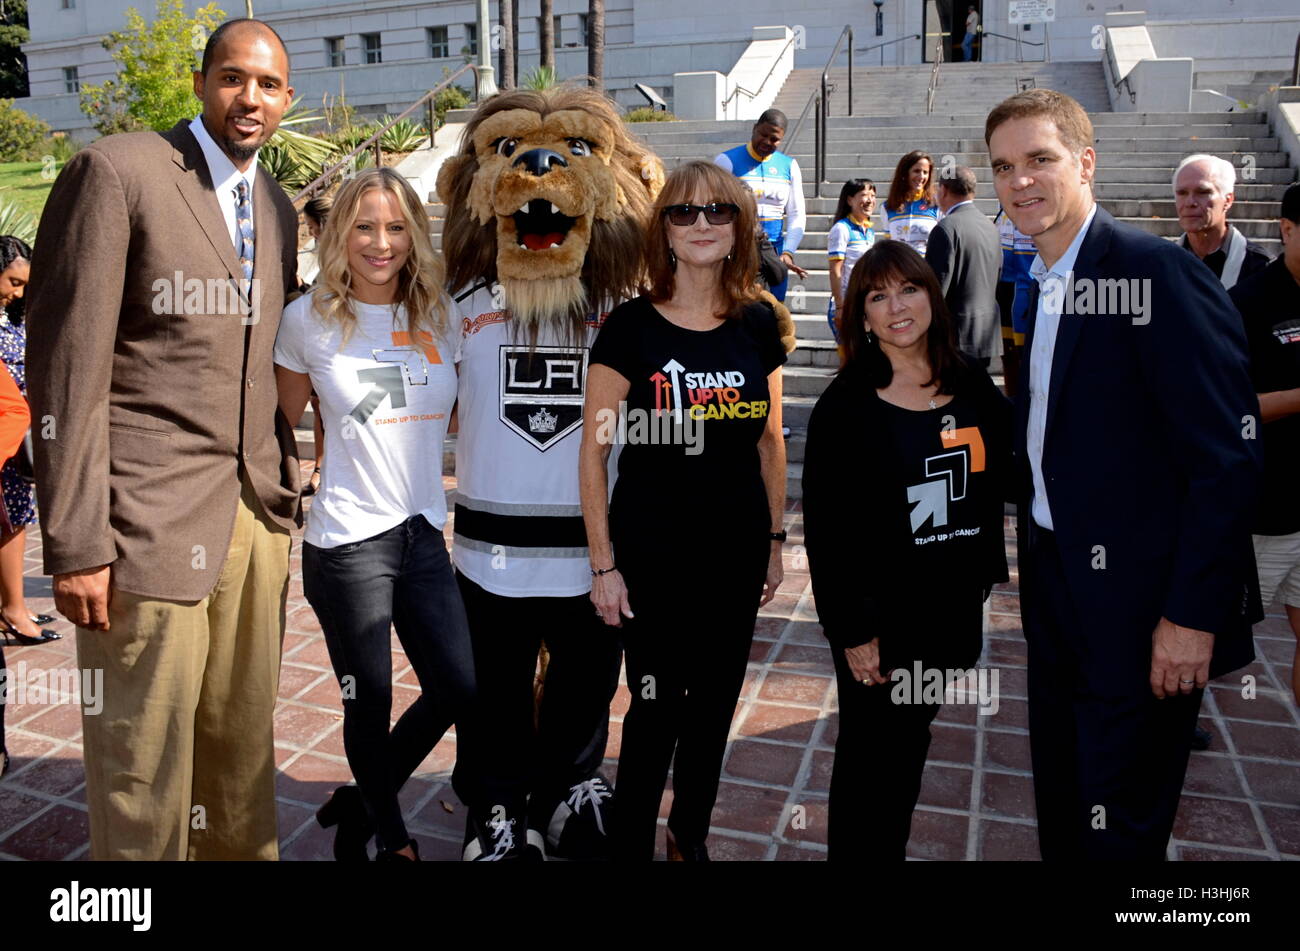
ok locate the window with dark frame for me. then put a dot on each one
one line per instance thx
(71, 79)
(334, 55)
(471, 38)
(373, 48)
(439, 48)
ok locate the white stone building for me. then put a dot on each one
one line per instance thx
(385, 54)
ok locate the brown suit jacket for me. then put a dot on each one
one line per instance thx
(151, 386)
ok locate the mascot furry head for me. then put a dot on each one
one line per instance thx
(548, 196)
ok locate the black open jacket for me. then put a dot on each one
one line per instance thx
(856, 517)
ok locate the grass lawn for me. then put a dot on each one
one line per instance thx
(21, 184)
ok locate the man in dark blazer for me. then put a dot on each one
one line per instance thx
(965, 251)
(168, 483)
(1140, 467)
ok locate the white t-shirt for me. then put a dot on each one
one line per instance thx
(519, 530)
(384, 402)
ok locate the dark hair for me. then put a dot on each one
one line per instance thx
(899, 188)
(11, 249)
(959, 180)
(1291, 203)
(772, 117)
(851, 188)
(886, 263)
(210, 49)
(683, 183)
(318, 209)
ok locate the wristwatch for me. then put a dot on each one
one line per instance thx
(778, 536)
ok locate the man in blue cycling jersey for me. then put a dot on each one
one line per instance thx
(777, 185)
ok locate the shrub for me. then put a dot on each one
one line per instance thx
(453, 97)
(648, 114)
(21, 134)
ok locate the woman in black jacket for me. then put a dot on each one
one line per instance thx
(905, 472)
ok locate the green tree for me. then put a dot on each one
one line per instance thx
(22, 136)
(13, 64)
(154, 88)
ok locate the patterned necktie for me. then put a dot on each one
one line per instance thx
(244, 219)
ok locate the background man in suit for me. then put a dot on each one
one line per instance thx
(168, 481)
(1136, 425)
(1203, 192)
(965, 251)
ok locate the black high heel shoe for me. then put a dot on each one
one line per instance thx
(393, 855)
(25, 641)
(39, 619)
(346, 810)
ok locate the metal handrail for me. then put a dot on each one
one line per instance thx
(754, 95)
(1295, 63)
(934, 76)
(1020, 55)
(790, 139)
(881, 46)
(1013, 39)
(374, 140)
(826, 103)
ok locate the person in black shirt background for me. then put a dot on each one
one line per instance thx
(905, 473)
(1270, 305)
(695, 522)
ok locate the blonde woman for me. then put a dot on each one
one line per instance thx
(371, 339)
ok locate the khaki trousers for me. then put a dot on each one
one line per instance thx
(180, 762)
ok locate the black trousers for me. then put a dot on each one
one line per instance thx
(399, 579)
(567, 743)
(883, 735)
(1109, 757)
(687, 649)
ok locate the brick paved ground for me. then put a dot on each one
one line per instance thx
(1242, 798)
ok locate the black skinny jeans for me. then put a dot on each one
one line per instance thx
(400, 578)
(686, 652)
(881, 747)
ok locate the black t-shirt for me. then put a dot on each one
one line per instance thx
(941, 452)
(696, 406)
(1270, 306)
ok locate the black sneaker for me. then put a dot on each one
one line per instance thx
(494, 840)
(580, 824)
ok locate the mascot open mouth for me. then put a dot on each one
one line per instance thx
(539, 225)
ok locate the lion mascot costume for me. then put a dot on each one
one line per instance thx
(547, 200)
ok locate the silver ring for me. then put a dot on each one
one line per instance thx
(866, 681)
(1187, 681)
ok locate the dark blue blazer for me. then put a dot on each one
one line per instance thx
(1150, 466)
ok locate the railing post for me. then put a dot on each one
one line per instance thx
(379, 155)
(850, 112)
(432, 119)
(820, 145)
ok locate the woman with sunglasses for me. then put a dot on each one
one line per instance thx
(689, 547)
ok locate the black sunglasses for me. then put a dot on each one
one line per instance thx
(715, 213)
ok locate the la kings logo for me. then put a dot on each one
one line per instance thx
(542, 392)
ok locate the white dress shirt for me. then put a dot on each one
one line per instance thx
(225, 178)
(1041, 353)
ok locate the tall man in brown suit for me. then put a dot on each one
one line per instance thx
(168, 482)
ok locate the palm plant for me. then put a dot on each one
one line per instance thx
(404, 136)
(543, 77)
(15, 221)
(305, 150)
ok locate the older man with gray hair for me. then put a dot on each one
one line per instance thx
(1203, 193)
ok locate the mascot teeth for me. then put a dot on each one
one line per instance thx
(540, 226)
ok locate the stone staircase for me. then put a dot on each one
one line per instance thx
(964, 88)
(1137, 153)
